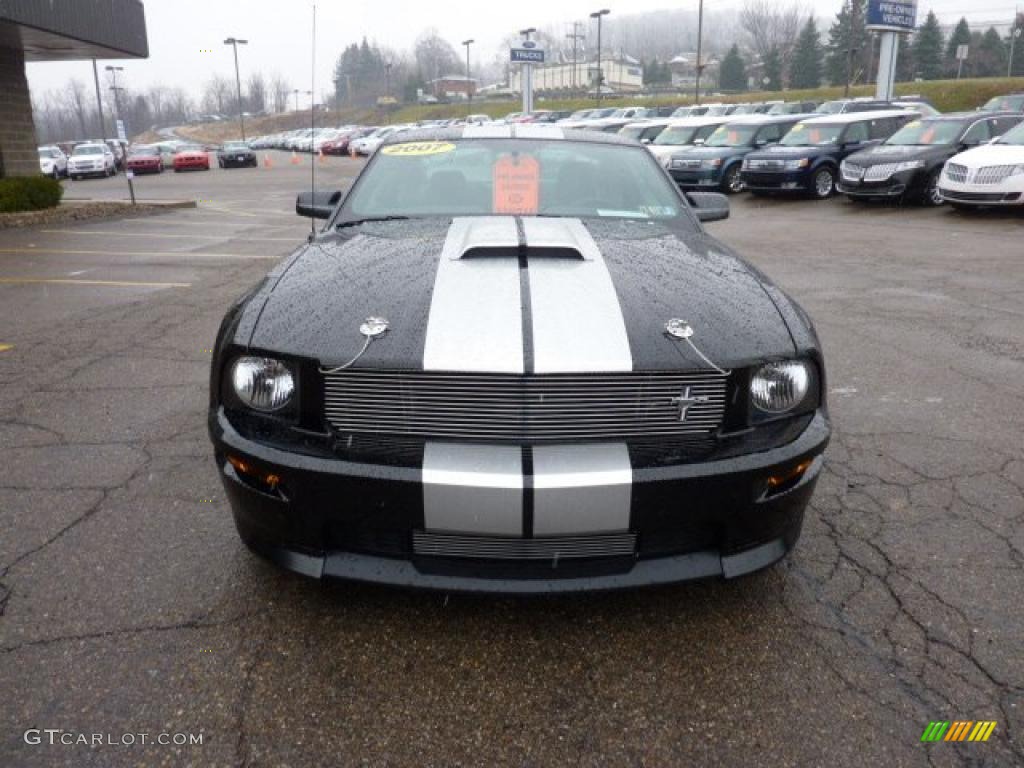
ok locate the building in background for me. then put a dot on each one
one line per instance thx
(452, 87)
(622, 74)
(684, 70)
(55, 30)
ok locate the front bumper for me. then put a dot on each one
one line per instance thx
(234, 161)
(335, 518)
(144, 167)
(186, 165)
(779, 181)
(696, 178)
(979, 195)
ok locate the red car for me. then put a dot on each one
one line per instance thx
(339, 146)
(191, 158)
(144, 160)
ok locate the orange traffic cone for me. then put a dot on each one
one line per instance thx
(295, 158)
(267, 162)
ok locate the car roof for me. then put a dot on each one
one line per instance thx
(761, 119)
(854, 117)
(514, 131)
(698, 120)
(975, 114)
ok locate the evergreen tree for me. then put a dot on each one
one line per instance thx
(732, 74)
(805, 69)
(772, 70)
(1017, 67)
(991, 55)
(928, 44)
(843, 35)
(961, 36)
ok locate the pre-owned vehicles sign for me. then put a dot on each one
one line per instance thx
(893, 15)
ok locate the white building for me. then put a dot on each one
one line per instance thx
(621, 74)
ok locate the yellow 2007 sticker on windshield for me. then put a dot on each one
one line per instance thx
(418, 148)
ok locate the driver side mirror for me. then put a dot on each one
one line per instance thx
(317, 205)
(709, 206)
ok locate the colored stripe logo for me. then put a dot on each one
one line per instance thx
(958, 730)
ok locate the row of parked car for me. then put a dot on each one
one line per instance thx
(97, 158)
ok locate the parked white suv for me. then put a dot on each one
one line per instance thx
(91, 160)
(992, 174)
(53, 162)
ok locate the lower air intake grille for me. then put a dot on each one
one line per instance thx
(511, 408)
(506, 548)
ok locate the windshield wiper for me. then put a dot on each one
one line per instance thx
(368, 220)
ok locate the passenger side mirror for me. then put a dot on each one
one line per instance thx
(709, 206)
(317, 205)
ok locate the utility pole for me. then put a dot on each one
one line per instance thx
(469, 84)
(234, 43)
(1015, 33)
(526, 74)
(575, 37)
(120, 118)
(700, 65)
(99, 99)
(850, 49)
(600, 74)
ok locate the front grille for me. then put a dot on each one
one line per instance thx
(852, 172)
(525, 409)
(553, 548)
(879, 172)
(993, 174)
(765, 165)
(956, 195)
(956, 172)
(686, 164)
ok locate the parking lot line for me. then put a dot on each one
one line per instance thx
(169, 254)
(5, 347)
(167, 235)
(113, 283)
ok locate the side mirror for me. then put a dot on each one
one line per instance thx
(317, 205)
(709, 206)
(698, 142)
(645, 141)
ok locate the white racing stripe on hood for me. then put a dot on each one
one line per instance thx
(577, 321)
(476, 321)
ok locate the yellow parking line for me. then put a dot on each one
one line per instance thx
(116, 283)
(5, 347)
(163, 235)
(177, 254)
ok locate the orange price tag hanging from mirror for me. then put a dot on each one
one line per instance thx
(516, 184)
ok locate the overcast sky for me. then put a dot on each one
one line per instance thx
(279, 32)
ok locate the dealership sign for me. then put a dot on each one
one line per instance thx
(528, 55)
(892, 15)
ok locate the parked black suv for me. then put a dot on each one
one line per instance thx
(807, 159)
(909, 163)
(717, 162)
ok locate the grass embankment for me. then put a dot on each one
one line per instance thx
(946, 95)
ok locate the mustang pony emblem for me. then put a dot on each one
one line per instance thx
(685, 402)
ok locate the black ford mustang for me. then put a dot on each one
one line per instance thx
(513, 361)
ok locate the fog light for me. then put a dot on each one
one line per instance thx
(778, 483)
(268, 480)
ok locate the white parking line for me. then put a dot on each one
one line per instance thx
(169, 236)
(161, 254)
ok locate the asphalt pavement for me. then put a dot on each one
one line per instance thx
(128, 605)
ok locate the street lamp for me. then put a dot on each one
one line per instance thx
(297, 92)
(526, 74)
(113, 76)
(700, 66)
(234, 43)
(600, 75)
(469, 85)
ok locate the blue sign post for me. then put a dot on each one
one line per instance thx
(891, 18)
(527, 55)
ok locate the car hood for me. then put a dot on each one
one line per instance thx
(991, 154)
(708, 153)
(464, 295)
(789, 153)
(895, 153)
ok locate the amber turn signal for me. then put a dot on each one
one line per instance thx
(789, 477)
(243, 467)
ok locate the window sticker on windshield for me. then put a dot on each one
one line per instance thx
(418, 148)
(928, 136)
(913, 124)
(798, 127)
(516, 184)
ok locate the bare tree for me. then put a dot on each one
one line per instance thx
(157, 96)
(279, 90)
(74, 93)
(257, 96)
(771, 25)
(435, 56)
(217, 95)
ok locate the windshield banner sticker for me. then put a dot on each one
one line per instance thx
(418, 148)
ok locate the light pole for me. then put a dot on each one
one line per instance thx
(387, 92)
(600, 75)
(113, 76)
(234, 43)
(469, 85)
(1015, 33)
(124, 145)
(700, 67)
(99, 99)
(526, 76)
(575, 37)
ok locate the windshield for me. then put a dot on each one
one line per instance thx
(745, 109)
(146, 151)
(88, 149)
(513, 177)
(49, 153)
(632, 131)
(927, 132)
(732, 136)
(1014, 103)
(717, 109)
(831, 107)
(235, 145)
(812, 134)
(1013, 136)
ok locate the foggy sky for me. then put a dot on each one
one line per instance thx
(279, 32)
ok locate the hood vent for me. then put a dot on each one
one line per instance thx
(498, 236)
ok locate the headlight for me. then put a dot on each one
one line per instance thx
(714, 162)
(794, 165)
(909, 165)
(262, 383)
(780, 387)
